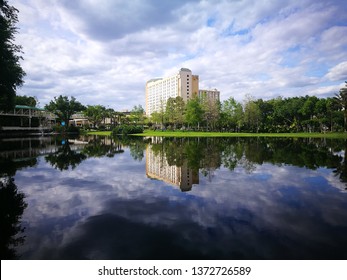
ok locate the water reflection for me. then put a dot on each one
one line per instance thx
(247, 198)
(178, 160)
(12, 208)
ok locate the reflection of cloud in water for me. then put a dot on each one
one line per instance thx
(105, 212)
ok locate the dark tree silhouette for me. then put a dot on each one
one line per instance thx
(11, 73)
(12, 206)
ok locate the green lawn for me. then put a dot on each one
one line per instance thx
(101, 133)
(228, 134)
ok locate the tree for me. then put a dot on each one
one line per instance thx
(113, 115)
(194, 112)
(174, 110)
(180, 110)
(137, 113)
(26, 100)
(231, 114)
(252, 114)
(156, 117)
(159, 116)
(95, 114)
(332, 112)
(211, 110)
(64, 108)
(13, 204)
(11, 73)
(170, 110)
(341, 99)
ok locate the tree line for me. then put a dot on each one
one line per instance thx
(64, 108)
(292, 114)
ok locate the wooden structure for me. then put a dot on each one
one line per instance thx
(26, 118)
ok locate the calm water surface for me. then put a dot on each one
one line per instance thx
(235, 198)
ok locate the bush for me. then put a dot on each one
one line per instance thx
(63, 129)
(73, 129)
(102, 127)
(127, 129)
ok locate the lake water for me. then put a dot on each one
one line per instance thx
(207, 198)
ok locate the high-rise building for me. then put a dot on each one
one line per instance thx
(210, 94)
(158, 91)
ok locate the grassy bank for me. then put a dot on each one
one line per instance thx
(149, 133)
(101, 133)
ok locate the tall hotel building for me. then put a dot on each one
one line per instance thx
(158, 91)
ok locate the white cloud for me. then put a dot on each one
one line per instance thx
(102, 54)
(338, 72)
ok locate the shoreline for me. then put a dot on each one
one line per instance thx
(330, 135)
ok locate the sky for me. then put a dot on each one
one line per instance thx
(102, 52)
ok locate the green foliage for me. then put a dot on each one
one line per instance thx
(26, 100)
(96, 114)
(278, 115)
(127, 129)
(231, 115)
(341, 100)
(64, 108)
(11, 73)
(252, 115)
(156, 117)
(211, 112)
(137, 114)
(194, 112)
(175, 111)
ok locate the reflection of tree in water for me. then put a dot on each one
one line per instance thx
(308, 153)
(136, 145)
(12, 206)
(102, 146)
(9, 167)
(341, 169)
(208, 154)
(65, 157)
(198, 153)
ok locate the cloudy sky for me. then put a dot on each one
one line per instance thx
(104, 51)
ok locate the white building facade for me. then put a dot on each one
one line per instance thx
(158, 91)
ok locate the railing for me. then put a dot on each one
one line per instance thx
(27, 112)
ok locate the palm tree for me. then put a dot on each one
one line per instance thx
(341, 99)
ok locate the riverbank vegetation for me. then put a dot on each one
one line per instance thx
(203, 116)
(278, 115)
(306, 116)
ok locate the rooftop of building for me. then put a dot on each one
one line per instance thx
(154, 80)
(186, 70)
(159, 79)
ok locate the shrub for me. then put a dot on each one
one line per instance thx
(73, 129)
(102, 127)
(127, 129)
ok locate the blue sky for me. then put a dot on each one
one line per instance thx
(103, 51)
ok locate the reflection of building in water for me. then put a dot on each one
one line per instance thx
(24, 148)
(158, 168)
